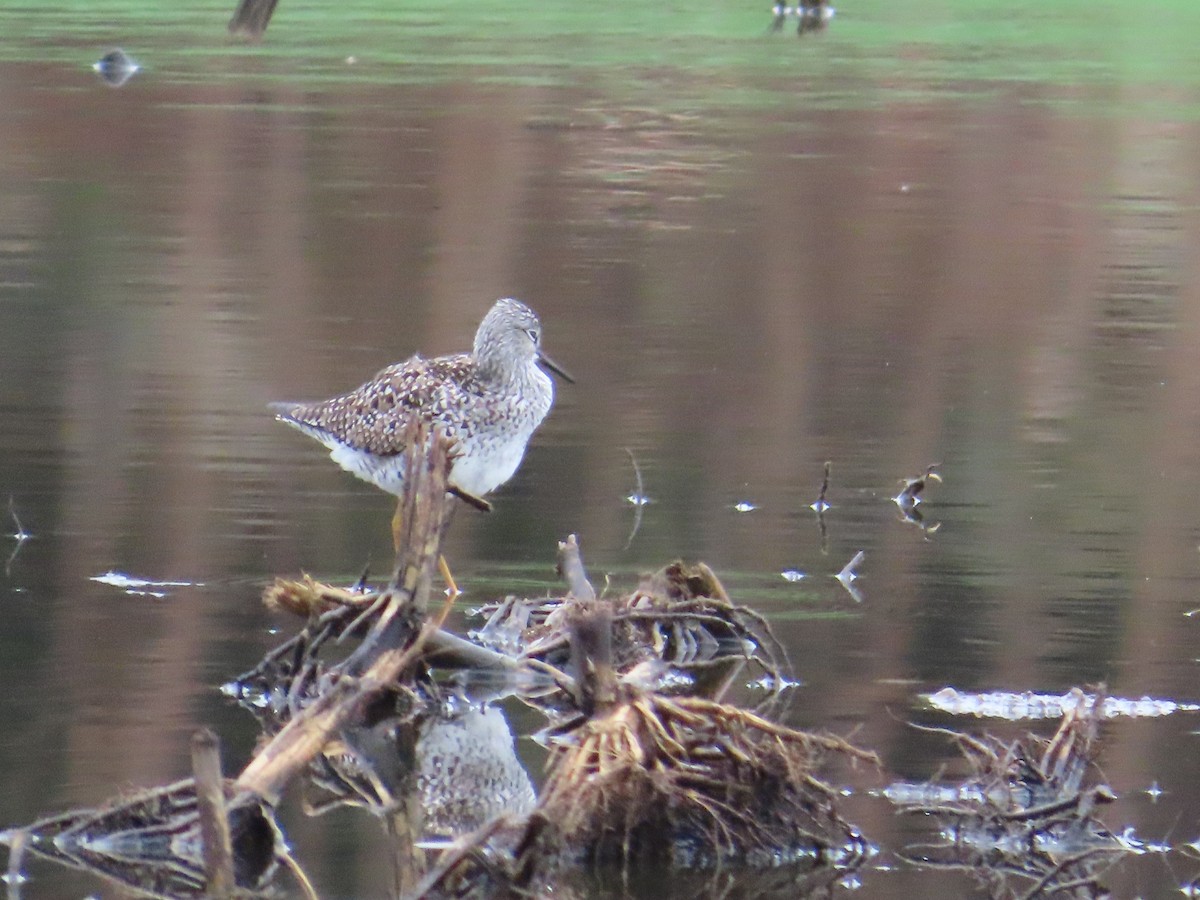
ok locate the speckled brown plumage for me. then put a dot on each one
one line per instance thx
(374, 416)
(490, 400)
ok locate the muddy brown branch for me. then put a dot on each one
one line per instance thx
(450, 651)
(570, 567)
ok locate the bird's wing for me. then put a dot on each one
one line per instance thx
(375, 415)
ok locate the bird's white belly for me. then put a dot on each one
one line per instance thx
(483, 465)
(487, 465)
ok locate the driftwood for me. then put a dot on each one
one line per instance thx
(570, 567)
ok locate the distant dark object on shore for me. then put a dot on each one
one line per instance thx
(252, 17)
(811, 15)
(116, 67)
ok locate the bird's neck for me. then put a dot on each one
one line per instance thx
(496, 372)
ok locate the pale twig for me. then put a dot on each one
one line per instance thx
(849, 573)
(20, 536)
(638, 498)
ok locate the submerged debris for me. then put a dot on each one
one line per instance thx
(1028, 705)
(820, 505)
(638, 498)
(910, 498)
(140, 587)
(910, 494)
(151, 840)
(20, 536)
(1026, 815)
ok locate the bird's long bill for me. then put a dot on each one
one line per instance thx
(554, 367)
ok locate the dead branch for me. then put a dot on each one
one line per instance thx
(214, 822)
(570, 567)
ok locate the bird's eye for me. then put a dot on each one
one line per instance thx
(533, 334)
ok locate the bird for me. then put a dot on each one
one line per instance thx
(488, 402)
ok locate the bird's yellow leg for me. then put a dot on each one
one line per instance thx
(451, 587)
(397, 526)
(443, 568)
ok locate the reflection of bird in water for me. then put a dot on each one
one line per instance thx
(488, 401)
(468, 772)
(465, 766)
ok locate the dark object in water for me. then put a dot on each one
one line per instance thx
(1026, 813)
(151, 841)
(910, 494)
(116, 67)
(252, 17)
(910, 498)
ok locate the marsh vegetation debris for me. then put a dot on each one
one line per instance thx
(912, 494)
(375, 704)
(638, 498)
(820, 505)
(1024, 821)
(912, 488)
(637, 778)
